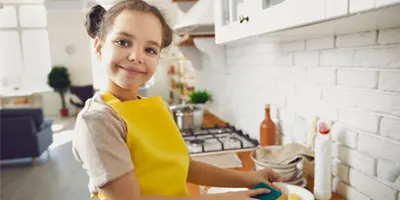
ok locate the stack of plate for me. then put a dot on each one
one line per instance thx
(290, 173)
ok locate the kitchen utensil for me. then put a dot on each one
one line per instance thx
(273, 195)
(188, 116)
(302, 193)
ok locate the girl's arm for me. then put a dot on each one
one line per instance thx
(205, 174)
(127, 188)
(208, 175)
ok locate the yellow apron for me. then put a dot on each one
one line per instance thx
(158, 151)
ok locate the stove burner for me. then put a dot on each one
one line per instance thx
(233, 139)
(197, 142)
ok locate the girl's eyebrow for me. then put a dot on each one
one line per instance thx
(131, 36)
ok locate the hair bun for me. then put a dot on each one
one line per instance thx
(93, 20)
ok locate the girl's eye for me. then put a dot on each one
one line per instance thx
(151, 51)
(123, 43)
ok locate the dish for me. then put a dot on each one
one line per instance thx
(302, 193)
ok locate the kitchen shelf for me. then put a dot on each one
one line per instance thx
(187, 40)
(179, 94)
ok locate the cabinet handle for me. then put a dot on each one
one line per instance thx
(243, 18)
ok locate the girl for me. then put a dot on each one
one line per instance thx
(130, 146)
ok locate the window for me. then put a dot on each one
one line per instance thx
(37, 63)
(24, 50)
(32, 16)
(11, 66)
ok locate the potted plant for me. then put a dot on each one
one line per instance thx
(59, 80)
(199, 97)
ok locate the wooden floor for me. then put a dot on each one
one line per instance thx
(56, 175)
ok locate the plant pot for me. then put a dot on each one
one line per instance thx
(64, 112)
(188, 116)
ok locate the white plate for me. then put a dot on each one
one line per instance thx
(302, 193)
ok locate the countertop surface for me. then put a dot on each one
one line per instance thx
(209, 121)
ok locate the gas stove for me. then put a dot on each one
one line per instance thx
(227, 139)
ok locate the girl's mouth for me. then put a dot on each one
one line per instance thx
(131, 71)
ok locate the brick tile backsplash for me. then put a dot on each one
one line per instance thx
(389, 36)
(352, 79)
(389, 81)
(320, 43)
(337, 57)
(347, 191)
(367, 79)
(355, 159)
(378, 58)
(340, 95)
(371, 187)
(356, 39)
(379, 147)
(390, 128)
(359, 119)
(380, 102)
(344, 136)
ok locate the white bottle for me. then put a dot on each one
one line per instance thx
(323, 163)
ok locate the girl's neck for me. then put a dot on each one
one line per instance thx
(121, 93)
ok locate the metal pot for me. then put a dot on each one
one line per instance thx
(188, 116)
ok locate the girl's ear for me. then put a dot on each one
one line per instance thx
(98, 47)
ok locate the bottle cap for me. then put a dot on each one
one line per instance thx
(267, 105)
(323, 129)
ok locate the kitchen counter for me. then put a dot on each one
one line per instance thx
(209, 120)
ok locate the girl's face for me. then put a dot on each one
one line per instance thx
(131, 49)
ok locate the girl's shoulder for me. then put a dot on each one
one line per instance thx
(97, 112)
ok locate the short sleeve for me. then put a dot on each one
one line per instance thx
(99, 146)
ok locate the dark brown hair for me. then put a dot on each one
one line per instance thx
(99, 21)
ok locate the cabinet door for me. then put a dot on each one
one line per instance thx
(336, 8)
(232, 18)
(305, 12)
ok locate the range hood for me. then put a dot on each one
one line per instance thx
(199, 20)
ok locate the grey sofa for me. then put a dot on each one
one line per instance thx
(24, 133)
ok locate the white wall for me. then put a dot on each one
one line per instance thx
(351, 79)
(66, 28)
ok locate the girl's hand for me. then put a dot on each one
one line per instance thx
(266, 176)
(241, 195)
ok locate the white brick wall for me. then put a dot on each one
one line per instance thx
(351, 79)
(390, 127)
(356, 39)
(344, 136)
(347, 191)
(340, 95)
(377, 58)
(367, 79)
(320, 43)
(379, 148)
(388, 80)
(355, 159)
(371, 187)
(359, 119)
(322, 75)
(337, 57)
(389, 36)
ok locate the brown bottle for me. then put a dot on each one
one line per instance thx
(267, 129)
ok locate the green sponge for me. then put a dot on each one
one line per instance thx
(273, 195)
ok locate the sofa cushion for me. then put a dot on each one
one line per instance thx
(35, 113)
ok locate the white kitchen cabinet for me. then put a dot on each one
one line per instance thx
(336, 8)
(361, 5)
(380, 3)
(289, 14)
(233, 19)
(263, 16)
